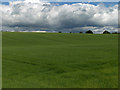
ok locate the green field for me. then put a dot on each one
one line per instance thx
(60, 60)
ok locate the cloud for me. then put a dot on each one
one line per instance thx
(45, 16)
(69, 0)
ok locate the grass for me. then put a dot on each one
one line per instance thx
(59, 60)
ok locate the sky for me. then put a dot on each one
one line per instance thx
(35, 15)
(70, 0)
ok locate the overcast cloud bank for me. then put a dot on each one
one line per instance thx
(36, 15)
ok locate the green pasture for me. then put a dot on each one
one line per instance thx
(59, 60)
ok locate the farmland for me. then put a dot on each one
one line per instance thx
(59, 60)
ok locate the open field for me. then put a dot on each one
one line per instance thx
(59, 60)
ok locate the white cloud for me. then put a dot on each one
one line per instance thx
(43, 15)
(69, 0)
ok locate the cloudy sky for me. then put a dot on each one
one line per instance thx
(70, 0)
(37, 15)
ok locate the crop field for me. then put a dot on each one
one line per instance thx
(59, 60)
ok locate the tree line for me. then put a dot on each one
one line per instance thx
(91, 32)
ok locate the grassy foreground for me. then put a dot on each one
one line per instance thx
(59, 60)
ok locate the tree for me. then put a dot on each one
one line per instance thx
(59, 32)
(89, 32)
(115, 33)
(106, 32)
(80, 32)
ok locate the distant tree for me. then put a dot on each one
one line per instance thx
(89, 32)
(70, 32)
(106, 32)
(80, 32)
(115, 33)
(59, 32)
